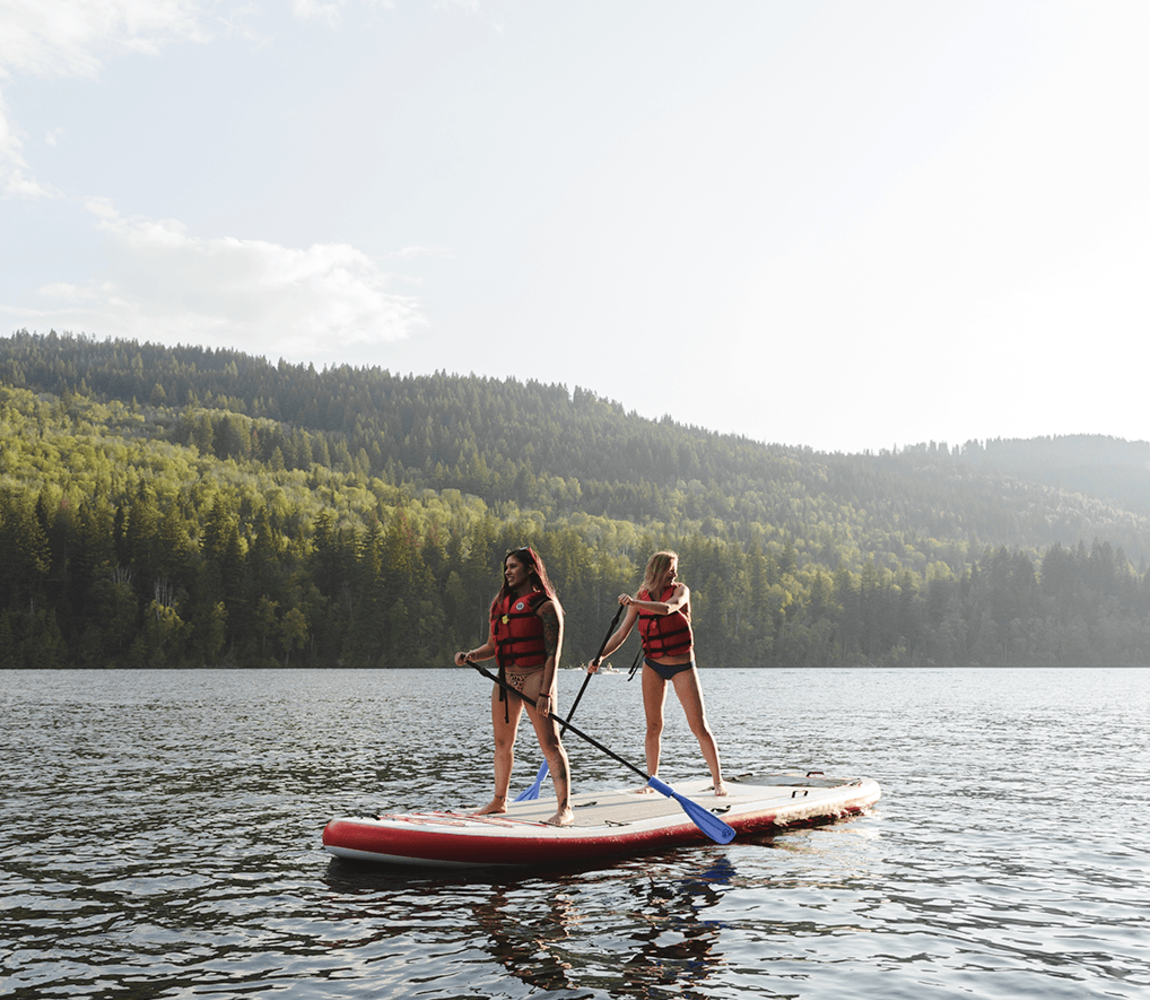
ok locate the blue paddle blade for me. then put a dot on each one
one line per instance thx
(703, 818)
(532, 793)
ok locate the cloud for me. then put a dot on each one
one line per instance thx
(70, 38)
(165, 285)
(53, 38)
(321, 10)
(16, 180)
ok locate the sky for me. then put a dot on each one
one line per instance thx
(844, 225)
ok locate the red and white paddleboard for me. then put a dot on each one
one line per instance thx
(607, 824)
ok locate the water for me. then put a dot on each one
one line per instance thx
(160, 837)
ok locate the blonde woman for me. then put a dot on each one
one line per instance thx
(662, 607)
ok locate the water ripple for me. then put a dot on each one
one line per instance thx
(160, 838)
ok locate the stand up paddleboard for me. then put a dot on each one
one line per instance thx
(607, 824)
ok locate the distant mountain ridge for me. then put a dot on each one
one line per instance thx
(481, 433)
(785, 539)
(1099, 466)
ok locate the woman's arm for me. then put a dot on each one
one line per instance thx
(553, 643)
(680, 598)
(484, 652)
(618, 637)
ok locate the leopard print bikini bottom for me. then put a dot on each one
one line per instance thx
(517, 678)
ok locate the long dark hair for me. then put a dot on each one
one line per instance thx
(537, 573)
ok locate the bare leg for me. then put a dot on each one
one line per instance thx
(547, 729)
(691, 698)
(654, 695)
(504, 749)
(547, 732)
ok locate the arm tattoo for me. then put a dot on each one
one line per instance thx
(552, 630)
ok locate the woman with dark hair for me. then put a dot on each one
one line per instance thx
(662, 608)
(526, 638)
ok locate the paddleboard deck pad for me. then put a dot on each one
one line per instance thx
(607, 823)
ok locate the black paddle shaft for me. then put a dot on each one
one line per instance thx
(578, 732)
(583, 687)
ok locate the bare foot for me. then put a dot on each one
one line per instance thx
(721, 789)
(496, 805)
(645, 790)
(564, 817)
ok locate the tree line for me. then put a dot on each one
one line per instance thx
(202, 527)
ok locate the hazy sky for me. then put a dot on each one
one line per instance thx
(847, 225)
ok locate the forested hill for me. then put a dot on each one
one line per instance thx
(183, 505)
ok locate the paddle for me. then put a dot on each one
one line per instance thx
(703, 818)
(532, 793)
(635, 665)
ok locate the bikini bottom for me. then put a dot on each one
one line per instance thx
(516, 677)
(668, 670)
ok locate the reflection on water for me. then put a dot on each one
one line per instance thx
(527, 939)
(678, 949)
(159, 837)
(548, 931)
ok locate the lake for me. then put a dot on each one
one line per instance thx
(160, 837)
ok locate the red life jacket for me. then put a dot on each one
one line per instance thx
(664, 635)
(518, 631)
